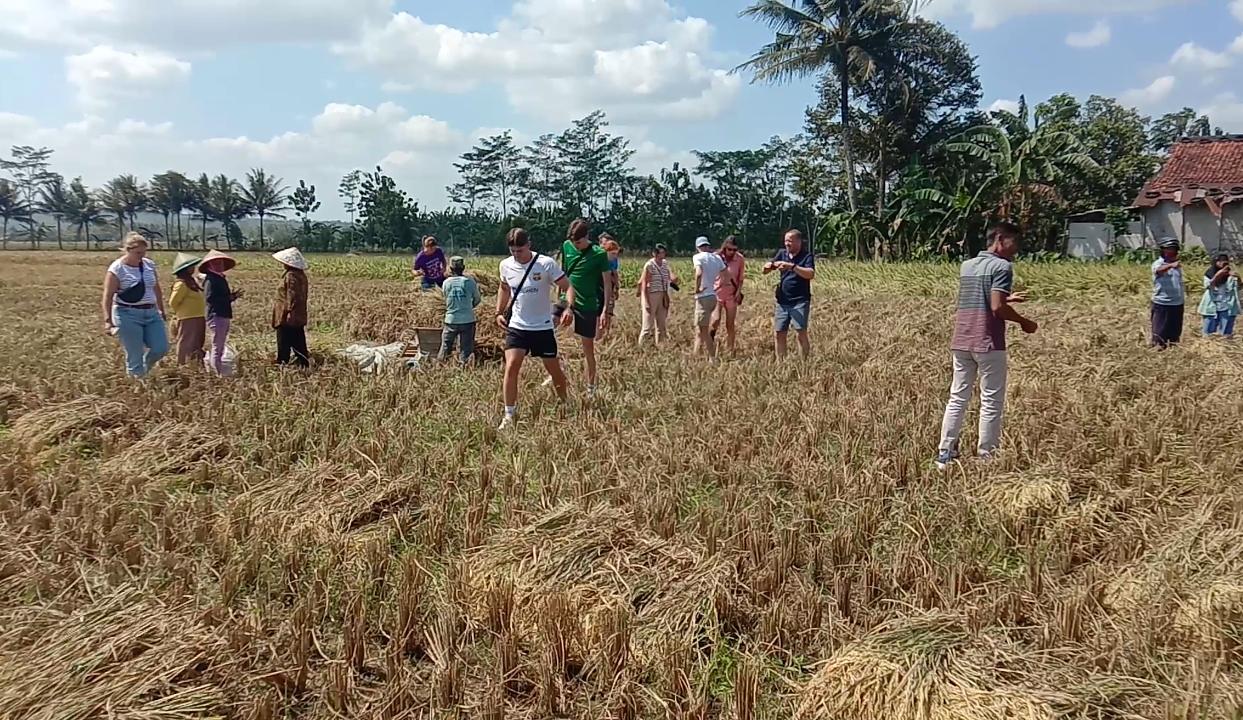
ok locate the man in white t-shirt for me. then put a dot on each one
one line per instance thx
(708, 265)
(524, 311)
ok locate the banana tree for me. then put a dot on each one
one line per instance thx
(1022, 163)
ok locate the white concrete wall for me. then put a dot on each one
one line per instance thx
(1164, 220)
(1093, 241)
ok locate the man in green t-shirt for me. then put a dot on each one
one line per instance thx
(587, 266)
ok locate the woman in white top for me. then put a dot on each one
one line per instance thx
(655, 283)
(133, 307)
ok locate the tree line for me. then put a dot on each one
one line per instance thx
(895, 160)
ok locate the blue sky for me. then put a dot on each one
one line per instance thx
(311, 88)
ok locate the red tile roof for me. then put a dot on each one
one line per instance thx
(1198, 168)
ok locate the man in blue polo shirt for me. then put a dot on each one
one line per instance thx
(797, 266)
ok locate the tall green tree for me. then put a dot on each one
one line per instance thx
(752, 187)
(12, 209)
(348, 191)
(1117, 140)
(228, 205)
(29, 168)
(547, 182)
(304, 203)
(491, 172)
(55, 200)
(199, 202)
(595, 161)
(1171, 126)
(265, 196)
(125, 197)
(85, 211)
(387, 214)
(852, 38)
(169, 195)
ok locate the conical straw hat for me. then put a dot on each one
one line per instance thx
(291, 257)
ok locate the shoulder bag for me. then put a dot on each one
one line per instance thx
(509, 311)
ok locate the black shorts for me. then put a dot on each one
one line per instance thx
(585, 324)
(537, 343)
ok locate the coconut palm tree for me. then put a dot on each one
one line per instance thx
(266, 196)
(125, 197)
(166, 196)
(227, 204)
(55, 200)
(851, 37)
(12, 208)
(198, 201)
(84, 211)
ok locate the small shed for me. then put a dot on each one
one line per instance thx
(1197, 196)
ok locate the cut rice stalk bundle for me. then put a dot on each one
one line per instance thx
(125, 655)
(86, 417)
(931, 667)
(328, 499)
(170, 448)
(600, 560)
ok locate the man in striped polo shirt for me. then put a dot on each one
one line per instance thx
(985, 304)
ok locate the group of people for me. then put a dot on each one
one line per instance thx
(134, 311)
(579, 287)
(1218, 309)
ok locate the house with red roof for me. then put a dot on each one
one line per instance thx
(1197, 196)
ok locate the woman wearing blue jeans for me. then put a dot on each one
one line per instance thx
(133, 307)
(1220, 305)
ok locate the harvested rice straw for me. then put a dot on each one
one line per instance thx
(167, 449)
(120, 656)
(90, 415)
(600, 559)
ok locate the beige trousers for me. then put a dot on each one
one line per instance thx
(655, 316)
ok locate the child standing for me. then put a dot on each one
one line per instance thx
(461, 298)
(219, 304)
(1220, 305)
(189, 310)
(289, 313)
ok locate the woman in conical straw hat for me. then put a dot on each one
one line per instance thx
(189, 307)
(220, 300)
(289, 311)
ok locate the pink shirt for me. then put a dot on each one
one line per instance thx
(729, 281)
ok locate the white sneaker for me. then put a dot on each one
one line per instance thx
(591, 392)
(507, 422)
(547, 382)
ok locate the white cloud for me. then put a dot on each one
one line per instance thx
(416, 150)
(1192, 57)
(1236, 7)
(1236, 47)
(1226, 111)
(986, 14)
(1146, 97)
(1010, 106)
(1099, 35)
(559, 59)
(105, 76)
(184, 25)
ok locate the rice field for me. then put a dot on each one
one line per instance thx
(750, 541)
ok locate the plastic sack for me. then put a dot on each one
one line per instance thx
(229, 362)
(374, 359)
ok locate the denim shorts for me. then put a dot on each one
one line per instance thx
(797, 316)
